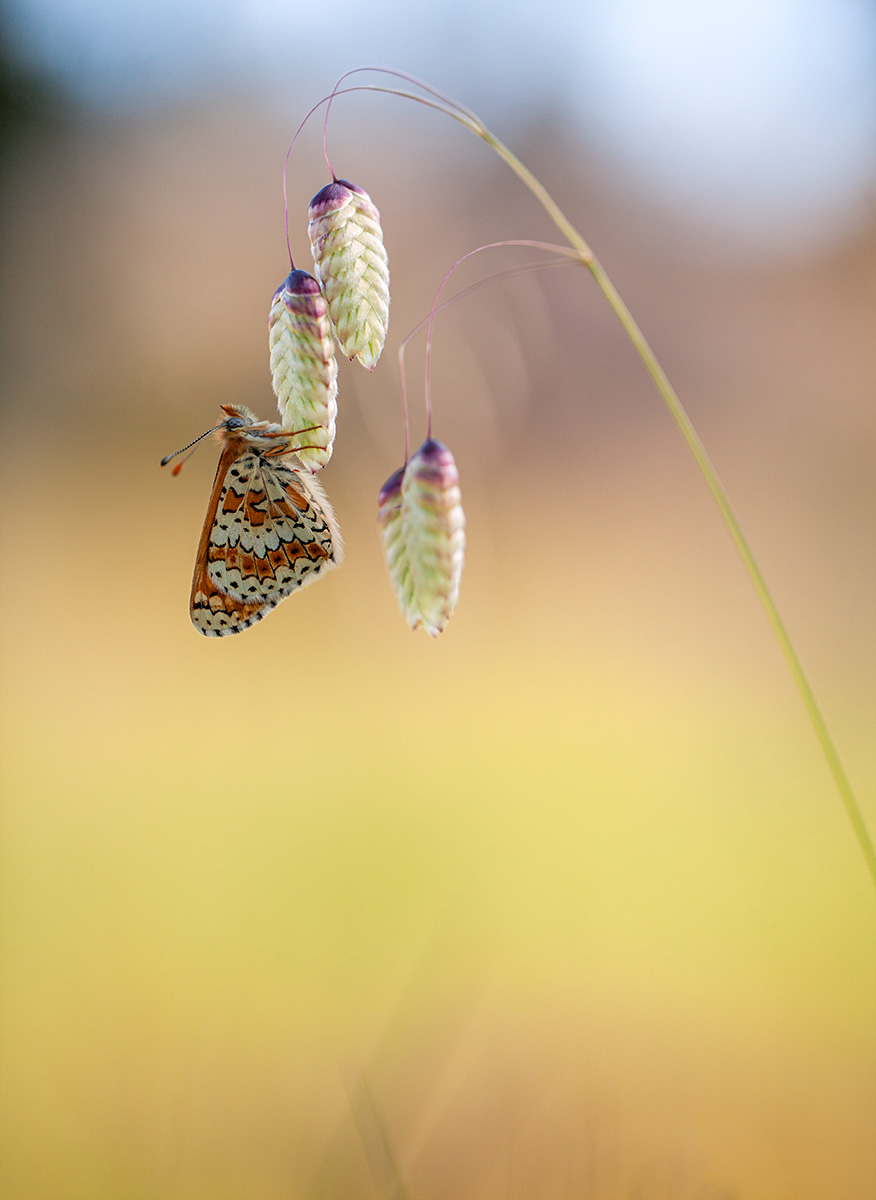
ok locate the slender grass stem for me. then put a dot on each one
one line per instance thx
(691, 438)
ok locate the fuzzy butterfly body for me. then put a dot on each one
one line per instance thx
(269, 529)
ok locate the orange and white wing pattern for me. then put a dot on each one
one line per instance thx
(269, 529)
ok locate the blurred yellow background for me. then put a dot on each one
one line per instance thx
(570, 887)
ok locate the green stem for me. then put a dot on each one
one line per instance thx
(683, 421)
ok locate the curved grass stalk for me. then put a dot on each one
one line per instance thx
(685, 426)
(692, 440)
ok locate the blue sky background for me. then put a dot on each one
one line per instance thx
(758, 116)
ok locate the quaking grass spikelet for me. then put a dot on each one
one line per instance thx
(351, 264)
(304, 370)
(423, 529)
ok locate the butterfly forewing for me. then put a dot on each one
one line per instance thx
(268, 532)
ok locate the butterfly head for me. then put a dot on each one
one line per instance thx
(237, 416)
(242, 423)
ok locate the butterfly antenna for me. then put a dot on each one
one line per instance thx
(182, 462)
(178, 466)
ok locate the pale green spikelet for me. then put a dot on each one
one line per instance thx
(423, 529)
(351, 264)
(304, 370)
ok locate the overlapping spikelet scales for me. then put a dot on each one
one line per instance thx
(351, 264)
(304, 370)
(423, 530)
(395, 552)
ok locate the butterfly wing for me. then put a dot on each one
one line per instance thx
(267, 533)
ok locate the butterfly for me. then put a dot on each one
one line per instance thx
(269, 530)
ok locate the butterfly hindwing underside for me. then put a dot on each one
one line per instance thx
(268, 531)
